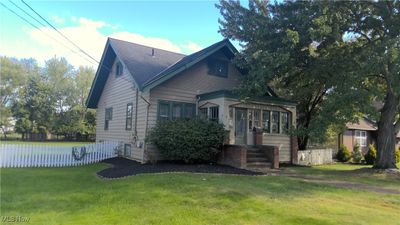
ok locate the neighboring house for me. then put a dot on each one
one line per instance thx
(362, 133)
(135, 86)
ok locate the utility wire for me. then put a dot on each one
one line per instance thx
(59, 32)
(33, 25)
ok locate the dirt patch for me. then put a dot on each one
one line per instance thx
(122, 167)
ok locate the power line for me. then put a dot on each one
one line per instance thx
(59, 32)
(33, 25)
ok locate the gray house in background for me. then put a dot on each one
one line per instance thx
(135, 86)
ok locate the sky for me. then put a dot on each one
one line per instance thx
(179, 26)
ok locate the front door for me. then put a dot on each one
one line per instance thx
(240, 126)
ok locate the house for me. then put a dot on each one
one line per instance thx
(135, 86)
(362, 133)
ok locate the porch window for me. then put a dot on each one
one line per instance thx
(214, 111)
(284, 122)
(275, 122)
(107, 117)
(174, 110)
(257, 118)
(361, 138)
(204, 113)
(250, 117)
(128, 120)
(266, 120)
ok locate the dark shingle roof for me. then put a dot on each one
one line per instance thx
(147, 70)
(139, 60)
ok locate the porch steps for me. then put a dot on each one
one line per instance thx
(256, 159)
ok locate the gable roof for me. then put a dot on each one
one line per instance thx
(225, 45)
(363, 124)
(147, 70)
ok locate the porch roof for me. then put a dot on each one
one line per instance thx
(231, 94)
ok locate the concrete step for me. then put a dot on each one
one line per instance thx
(256, 159)
(255, 154)
(252, 149)
(258, 165)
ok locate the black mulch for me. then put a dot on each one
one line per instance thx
(122, 167)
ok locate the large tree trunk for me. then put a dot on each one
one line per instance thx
(386, 143)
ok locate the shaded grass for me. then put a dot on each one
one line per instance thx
(349, 172)
(78, 196)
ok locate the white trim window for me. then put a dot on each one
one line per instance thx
(361, 138)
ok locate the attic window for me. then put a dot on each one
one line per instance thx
(218, 67)
(118, 69)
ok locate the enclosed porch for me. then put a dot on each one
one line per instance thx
(255, 122)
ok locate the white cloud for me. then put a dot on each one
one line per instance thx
(191, 47)
(56, 19)
(85, 33)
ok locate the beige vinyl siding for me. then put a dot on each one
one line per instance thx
(185, 87)
(117, 93)
(282, 141)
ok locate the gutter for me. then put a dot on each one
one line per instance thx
(146, 125)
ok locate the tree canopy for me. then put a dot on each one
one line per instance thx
(333, 58)
(48, 99)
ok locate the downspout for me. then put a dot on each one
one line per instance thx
(136, 113)
(146, 125)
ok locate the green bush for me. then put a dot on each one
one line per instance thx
(190, 140)
(343, 154)
(356, 155)
(370, 156)
(397, 153)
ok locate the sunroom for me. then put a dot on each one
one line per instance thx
(261, 121)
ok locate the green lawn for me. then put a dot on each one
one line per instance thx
(348, 172)
(47, 143)
(77, 196)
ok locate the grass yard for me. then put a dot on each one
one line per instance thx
(47, 143)
(77, 196)
(348, 172)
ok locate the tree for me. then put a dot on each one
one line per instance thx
(35, 107)
(334, 58)
(297, 48)
(375, 26)
(12, 79)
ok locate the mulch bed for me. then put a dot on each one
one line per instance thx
(122, 167)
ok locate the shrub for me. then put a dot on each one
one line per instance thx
(370, 156)
(190, 140)
(356, 155)
(397, 154)
(343, 154)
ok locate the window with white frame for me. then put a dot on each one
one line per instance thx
(266, 120)
(361, 138)
(214, 111)
(118, 69)
(275, 122)
(257, 118)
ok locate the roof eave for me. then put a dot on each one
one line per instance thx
(90, 96)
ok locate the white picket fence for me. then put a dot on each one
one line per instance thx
(25, 155)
